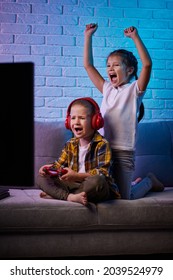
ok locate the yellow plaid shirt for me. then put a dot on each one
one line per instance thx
(97, 160)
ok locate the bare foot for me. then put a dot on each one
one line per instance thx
(79, 197)
(157, 186)
(45, 195)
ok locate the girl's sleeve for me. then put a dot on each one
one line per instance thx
(139, 92)
(106, 87)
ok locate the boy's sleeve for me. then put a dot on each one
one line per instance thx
(62, 160)
(103, 160)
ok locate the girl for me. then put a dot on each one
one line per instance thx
(120, 105)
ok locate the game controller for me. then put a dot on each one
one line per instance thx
(54, 172)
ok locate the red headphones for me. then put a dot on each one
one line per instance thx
(97, 121)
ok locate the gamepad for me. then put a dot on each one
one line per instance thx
(54, 172)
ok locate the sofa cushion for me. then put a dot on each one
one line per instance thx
(154, 211)
(154, 151)
(25, 211)
(50, 138)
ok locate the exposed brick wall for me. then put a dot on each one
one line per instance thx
(50, 33)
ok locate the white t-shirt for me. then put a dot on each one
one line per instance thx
(119, 109)
(81, 160)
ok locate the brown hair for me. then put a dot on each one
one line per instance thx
(85, 103)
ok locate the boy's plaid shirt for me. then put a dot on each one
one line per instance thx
(97, 160)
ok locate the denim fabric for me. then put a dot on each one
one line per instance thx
(141, 189)
(122, 171)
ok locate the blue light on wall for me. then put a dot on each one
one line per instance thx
(52, 36)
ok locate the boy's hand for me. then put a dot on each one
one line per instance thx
(69, 176)
(91, 28)
(130, 32)
(41, 170)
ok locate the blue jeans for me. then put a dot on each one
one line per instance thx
(122, 171)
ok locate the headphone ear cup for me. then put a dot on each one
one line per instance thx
(97, 121)
(67, 122)
(100, 121)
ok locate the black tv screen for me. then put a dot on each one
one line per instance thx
(17, 124)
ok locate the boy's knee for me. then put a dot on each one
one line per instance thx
(96, 179)
(96, 188)
(38, 181)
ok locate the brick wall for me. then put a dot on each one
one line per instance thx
(50, 33)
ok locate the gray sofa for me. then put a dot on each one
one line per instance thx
(31, 227)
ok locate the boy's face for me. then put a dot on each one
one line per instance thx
(81, 122)
(117, 71)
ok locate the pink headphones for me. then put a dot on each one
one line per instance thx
(97, 119)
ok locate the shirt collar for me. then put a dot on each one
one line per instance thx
(120, 88)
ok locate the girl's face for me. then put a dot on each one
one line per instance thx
(118, 72)
(80, 122)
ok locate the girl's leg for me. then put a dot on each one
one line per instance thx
(149, 183)
(136, 181)
(122, 171)
(141, 189)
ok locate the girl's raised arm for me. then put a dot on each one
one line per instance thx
(144, 76)
(93, 74)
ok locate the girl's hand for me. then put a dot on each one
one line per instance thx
(130, 32)
(91, 28)
(41, 170)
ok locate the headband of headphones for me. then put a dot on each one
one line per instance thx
(89, 99)
(97, 119)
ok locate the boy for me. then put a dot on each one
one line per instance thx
(86, 158)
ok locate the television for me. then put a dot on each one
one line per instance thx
(17, 124)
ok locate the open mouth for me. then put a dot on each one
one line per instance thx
(77, 129)
(113, 77)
